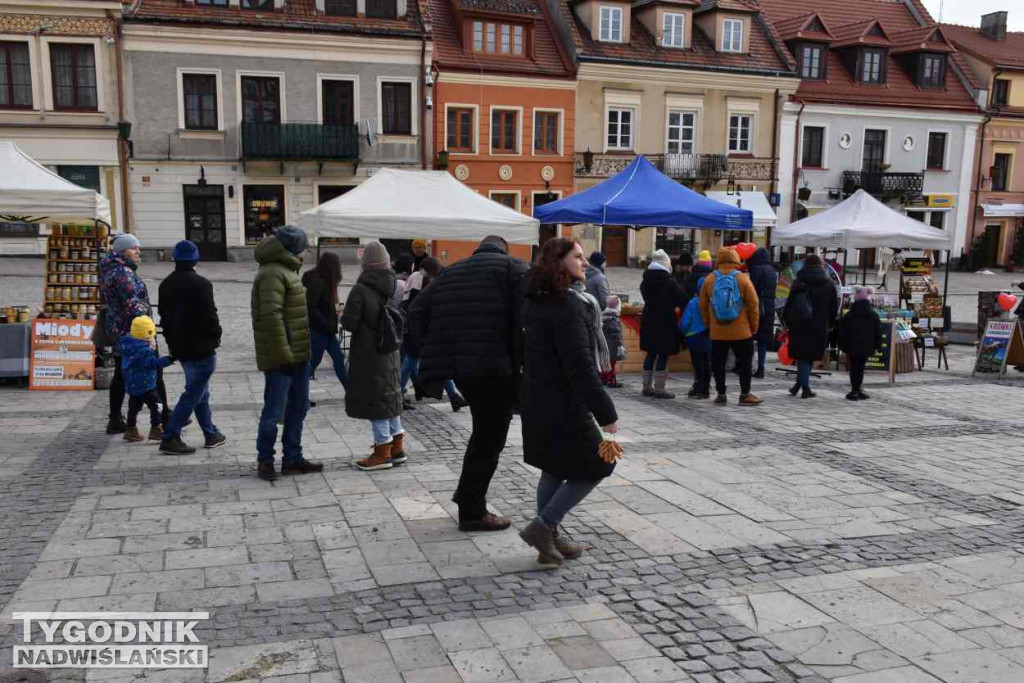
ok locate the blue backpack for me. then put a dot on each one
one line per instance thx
(726, 302)
(692, 323)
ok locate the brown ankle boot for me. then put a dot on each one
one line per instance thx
(156, 433)
(570, 549)
(539, 536)
(133, 435)
(380, 460)
(397, 449)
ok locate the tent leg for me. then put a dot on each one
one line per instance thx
(844, 266)
(945, 292)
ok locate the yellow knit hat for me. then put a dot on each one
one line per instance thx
(704, 256)
(143, 327)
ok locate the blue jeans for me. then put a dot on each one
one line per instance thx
(195, 398)
(411, 370)
(803, 373)
(555, 497)
(285, 394)
(655, 362)
(320, 342)
(384, 431)
(762, 354)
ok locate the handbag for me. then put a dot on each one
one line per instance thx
(99, 336)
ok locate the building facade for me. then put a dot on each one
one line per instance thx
(59, 97)
(246, 114)
(504, 105)
(995, 57)
(694, 86)
(884, 105)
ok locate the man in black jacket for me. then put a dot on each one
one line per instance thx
(469, 323)
(188, 316)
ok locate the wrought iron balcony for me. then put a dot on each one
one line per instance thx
(711, 167)
(883, 184)
(300, 141)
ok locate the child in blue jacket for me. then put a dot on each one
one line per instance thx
(698, 341)
(139, 363)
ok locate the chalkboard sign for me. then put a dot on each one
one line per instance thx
(1001, 344)
(881, 359)
(18, 229)
(914, 265)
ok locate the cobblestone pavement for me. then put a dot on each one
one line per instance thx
(804, 540)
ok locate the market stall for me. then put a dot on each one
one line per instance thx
(765, 219)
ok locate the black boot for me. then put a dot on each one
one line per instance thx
(458, 403)
(758, 374)
(265, 471)
(795, 389)
(807, 393)
(116, 425)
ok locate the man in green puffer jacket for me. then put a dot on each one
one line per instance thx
(280, 326)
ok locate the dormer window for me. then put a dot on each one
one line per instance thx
(611, 24)
(497, 38)
(673, 30)
(1000, 91)
(871, 70)
(932, 71)
(267, 5)
(732, 35)
(340, 8)
(812, 61)
(382, 9)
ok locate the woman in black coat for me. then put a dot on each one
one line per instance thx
(562, 395)
(659, 333)
(321, 285)
(860, 335)
(765, 279)
(810, 311)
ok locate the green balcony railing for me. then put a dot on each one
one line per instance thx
(300, 141)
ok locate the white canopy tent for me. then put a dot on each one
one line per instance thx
(862, 222)
(764, 216)
(408, 204)
(28, 188)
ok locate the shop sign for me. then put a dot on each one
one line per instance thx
(941, 201)
(63, 355)
(1001, 344)
(917, 265)
(83, 176)
(18, 229)
(881, 359)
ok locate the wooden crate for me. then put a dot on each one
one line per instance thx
(635, 360)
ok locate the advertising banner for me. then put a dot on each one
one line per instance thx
(63, 356)
(1001, 344)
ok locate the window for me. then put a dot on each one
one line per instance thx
(517, 40)
(339, 102)
(264, 210)
(258, 4)
(620, 128)
(871, 68)
(1000, 91)
(261, 99)
(811, 62)
(874, 151)
(545, 132)
(212, 3)
(74, 76)
(340, 8)
(382, 9)
(739, 133)
(936, 151)
(504, 39)
(504, 131)
(491, 33)
(460, 130)
(933, 71)
(1000, 172)
(732, 35)
(673, 29)
(937, 219)
(478, 36)
(15, 76)
(813, 148)
(611, 24)
(509, 199)
(681, 127)
(200, 96)
(396, 103)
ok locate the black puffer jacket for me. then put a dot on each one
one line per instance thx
(765, 280)
(468, 322)
(323, 317)
(562, 394)
(372, 392)
(808, 339)
(860, 330)
(188, 314)
(659, 333)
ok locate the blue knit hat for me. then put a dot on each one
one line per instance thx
(293, 239)
(185, 250)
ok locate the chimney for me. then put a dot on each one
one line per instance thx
(993, 25)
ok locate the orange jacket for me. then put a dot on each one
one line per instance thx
(745, 326)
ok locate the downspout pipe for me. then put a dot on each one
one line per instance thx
(122, 145)
(981, 150)
(775, 161)
(423, 99)
(796, 160)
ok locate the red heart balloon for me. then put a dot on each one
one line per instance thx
(745, 249)
(1007, 302)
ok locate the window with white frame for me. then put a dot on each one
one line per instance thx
(673, 29)
(611, 24)
(620, 127)
(741, 133)
(732, 35)
(681, 129)
(199, 98)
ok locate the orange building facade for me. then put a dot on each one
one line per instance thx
(504, 107)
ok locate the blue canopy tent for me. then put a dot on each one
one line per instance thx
(642, 196)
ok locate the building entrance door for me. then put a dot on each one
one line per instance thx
(993, 238)
(204, 220)
(614, 245)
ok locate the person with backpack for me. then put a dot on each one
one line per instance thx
(373, 392)
(659, 334)
(811, 309)
(730, 309)
(698, 342)
(765, 280)
(860, 335)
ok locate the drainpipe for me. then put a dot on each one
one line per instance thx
(122, 145)
(796, 161)
(981, 149)
(423, 99)
(775, 161)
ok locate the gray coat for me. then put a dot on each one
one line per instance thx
(597, 286)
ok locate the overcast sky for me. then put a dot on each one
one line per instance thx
(968, 12)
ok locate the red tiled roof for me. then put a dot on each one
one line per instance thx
(928, 38)
(295, 15)
(1008, 52)
(728, 5)
(549, 57)
(856, 33)
(766, 52)
(796, 28)
(848, 18)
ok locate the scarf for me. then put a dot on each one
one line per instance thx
(601, 356)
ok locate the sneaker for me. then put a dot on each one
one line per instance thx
(265, 471)
(749, 400)
(721, 400)
(861, 396)
(132, 435)
(116, 425)
(758, 374)
(175, 446)
(458, 403)
(301, 466)
(214, 440)
(156, 433)
(489, 522)
(852, 396)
